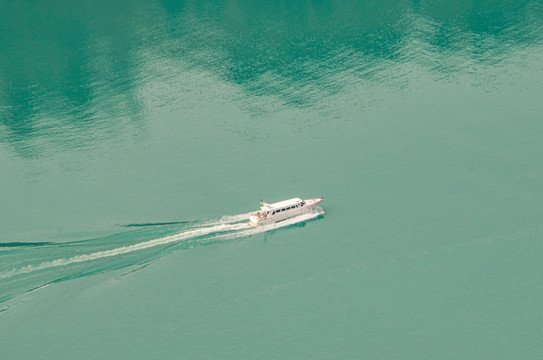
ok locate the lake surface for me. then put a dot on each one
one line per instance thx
(136, 136)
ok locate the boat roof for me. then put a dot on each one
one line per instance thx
(281, 204)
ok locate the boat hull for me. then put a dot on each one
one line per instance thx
(269, 216)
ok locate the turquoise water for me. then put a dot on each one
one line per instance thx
(136, 136)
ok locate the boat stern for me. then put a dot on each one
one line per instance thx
(253, 220)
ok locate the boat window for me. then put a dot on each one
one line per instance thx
(283, 209)
(288, 208)
(273, 213)
(277, 210)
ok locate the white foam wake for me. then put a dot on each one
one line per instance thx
(127, 249)
(228, 227)
(314, 213)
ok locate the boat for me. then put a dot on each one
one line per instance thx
(282, 210)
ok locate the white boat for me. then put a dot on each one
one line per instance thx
(282, 210)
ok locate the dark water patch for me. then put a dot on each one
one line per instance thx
(25, 244)
(157, 223)
(65, 70)
(298, 50)
(71, 74)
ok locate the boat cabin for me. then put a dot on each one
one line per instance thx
(279, 207)
(282, 210)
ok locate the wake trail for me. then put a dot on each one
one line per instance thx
(146, 224)
(127, 249)
(228, 227)
(26, 269)
(250, 230)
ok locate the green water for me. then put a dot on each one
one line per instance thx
(418, 122)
